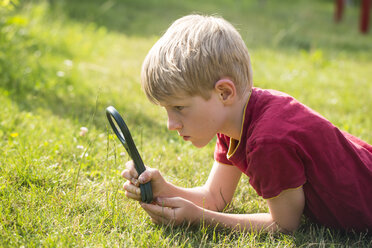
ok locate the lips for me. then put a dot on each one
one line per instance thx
(186, 138)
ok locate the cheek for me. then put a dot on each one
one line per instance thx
(203, 121)
(206, 125)
(212, 119)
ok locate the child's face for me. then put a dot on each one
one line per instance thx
(194, 118)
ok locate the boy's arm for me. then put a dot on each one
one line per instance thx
(215, 194)
(285, 213)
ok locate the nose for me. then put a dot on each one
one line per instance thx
(173, 124)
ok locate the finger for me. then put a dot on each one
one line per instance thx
(161, 220)
(148, 175)
(127, 175)
(157, 219)
(132, 196)
(145, 177)
(131, 188)
(156, 210)
(132, 169)
(170, 202)
(154, 216)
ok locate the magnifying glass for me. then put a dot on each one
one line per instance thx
(122, 132)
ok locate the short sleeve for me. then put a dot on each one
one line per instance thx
(221, 149)
(274, 167)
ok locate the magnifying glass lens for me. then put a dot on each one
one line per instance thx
(117, 128)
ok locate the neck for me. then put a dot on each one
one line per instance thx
(236, 117)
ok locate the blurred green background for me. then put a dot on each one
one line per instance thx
(63, 62)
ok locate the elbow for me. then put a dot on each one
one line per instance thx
(217, 201)
(220, 206)
(287, 228)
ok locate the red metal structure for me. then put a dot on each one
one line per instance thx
(365, 8)
(339, 10)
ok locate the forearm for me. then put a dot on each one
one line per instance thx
(240, 222)
(177, 211)
(216, 193)
(285, 215)
(200, 196)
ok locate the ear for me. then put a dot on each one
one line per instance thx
(226, 90)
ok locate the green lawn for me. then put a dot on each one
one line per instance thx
(63, 62)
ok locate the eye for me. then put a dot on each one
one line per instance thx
(178, 108)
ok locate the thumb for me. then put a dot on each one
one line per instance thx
(145, 177)
(171, 202)
(148, 175)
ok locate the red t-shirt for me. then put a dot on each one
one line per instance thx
(284, 145)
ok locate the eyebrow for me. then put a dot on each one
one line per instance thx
(174, 102)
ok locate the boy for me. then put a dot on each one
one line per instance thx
(200, 72)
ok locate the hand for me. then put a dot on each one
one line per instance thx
(132, 190)
(173, 211)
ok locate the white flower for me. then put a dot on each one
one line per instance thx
(68, 63)
(84, 155)
(83, 131)
(60, 73)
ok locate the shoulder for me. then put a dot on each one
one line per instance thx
(269, 112)
(270, 94)
(278, 118)
(276, 103)
(268, 105)
(275, 108)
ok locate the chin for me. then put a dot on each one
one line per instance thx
(199, 144)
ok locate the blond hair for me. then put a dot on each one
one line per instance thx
(193, 54)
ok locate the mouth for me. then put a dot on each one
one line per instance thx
(186, 138)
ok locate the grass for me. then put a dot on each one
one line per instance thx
(63, 62)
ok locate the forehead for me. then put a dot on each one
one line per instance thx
(175, 100)
(185, 101)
